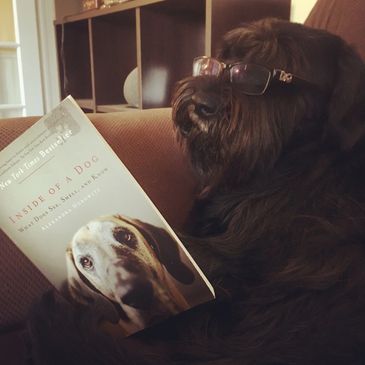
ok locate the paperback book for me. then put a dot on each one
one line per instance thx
(74, 209)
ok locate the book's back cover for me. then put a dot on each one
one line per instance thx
(74, 209)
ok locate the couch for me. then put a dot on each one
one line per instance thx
(145, 141)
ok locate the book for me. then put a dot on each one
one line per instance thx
(77, 213)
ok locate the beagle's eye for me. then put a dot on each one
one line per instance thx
(86, 263)
(124, 236)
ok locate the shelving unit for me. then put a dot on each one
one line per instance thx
(97, 49)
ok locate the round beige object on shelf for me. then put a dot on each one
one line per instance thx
(130, 88)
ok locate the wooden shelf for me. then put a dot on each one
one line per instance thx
(98, 49)
(169, 48)
(74, 60)
(115, 108)
(86, 103)
(112, 66)
(131, 4)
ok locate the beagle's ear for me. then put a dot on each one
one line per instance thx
(166, 249)
(347, 104)
(82, 291)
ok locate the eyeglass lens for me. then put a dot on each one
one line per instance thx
(252, 79)
(206, 67)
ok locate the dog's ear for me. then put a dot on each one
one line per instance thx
(166, 250)
(347, 104)
(82, 291)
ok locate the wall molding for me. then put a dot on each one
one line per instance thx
(48, 53)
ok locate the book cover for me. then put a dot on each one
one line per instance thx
(76, 212)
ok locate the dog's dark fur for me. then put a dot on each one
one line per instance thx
(280, 226)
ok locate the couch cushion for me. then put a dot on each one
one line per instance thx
(345, 18)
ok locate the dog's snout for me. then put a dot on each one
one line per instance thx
(140, 296)
(206, 105)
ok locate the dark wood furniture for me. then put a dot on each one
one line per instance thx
(97, 49)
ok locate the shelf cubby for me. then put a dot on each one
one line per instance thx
(74, 59)
(114, 53)
(172, 34)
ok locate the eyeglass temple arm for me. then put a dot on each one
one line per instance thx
(282, 76)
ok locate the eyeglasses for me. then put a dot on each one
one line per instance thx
(253, 79)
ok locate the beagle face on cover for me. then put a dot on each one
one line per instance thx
(130, 264)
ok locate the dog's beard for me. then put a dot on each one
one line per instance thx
(239, 140)
(206, 138)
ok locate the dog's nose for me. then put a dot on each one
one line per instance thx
(206, 105)
(140, 296)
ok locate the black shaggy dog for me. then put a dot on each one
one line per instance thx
(275, 129)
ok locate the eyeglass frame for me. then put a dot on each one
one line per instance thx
(274, 74)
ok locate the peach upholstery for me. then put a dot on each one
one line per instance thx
(345, 18)
(145, 141)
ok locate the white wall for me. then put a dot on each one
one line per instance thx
(300, 9)
(28, 53)
(48, 53)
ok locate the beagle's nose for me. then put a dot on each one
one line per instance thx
(140, 295)
(206, 104)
